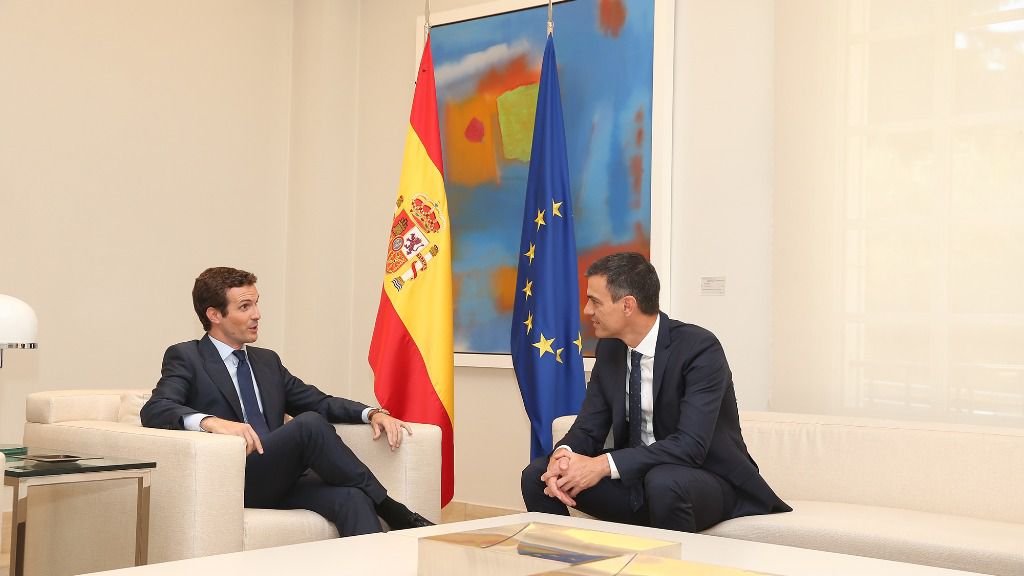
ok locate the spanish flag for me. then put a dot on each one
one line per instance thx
(412, 352)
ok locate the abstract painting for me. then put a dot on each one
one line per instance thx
(487, 72)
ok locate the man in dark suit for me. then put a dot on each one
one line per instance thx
(664, 390)
(218, 384)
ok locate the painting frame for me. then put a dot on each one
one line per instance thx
(661, 139)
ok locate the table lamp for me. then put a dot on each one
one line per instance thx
(18, 325)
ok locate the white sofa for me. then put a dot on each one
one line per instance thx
(197, 487)
(935, 494)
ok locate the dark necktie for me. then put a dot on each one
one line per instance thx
(635, 414)
(247, 391)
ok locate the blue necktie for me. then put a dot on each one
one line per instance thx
(635, 414)
(247, 391)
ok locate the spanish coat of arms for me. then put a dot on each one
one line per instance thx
(411, 247)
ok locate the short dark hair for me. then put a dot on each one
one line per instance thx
(211, 290)
(629, 274)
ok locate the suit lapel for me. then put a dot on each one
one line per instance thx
(218, 374)
(616, 381)
(661, 353)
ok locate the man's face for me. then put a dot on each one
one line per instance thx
(241, 323)
(609, 318)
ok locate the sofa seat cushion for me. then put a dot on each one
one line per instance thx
(941, 540)
(266, 528)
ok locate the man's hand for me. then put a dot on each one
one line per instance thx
(583, 472)
(558, 464)
(381, 422)
(221, 426)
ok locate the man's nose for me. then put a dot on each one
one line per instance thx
(255, 312)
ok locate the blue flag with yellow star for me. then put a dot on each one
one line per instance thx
(546, 340)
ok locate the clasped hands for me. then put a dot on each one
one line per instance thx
(569, 473)
(379, 423)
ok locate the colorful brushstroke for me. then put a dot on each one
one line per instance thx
(488, 71)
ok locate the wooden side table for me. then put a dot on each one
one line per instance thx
(35, 469)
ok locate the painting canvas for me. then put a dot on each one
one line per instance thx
(487, 72)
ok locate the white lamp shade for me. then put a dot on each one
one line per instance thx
(18, 323)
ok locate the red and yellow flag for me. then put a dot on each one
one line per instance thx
(412, 352)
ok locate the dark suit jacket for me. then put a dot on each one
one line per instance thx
(194, 379)
(696, 421)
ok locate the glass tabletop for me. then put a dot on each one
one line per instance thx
(46, 462)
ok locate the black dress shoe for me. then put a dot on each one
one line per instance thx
(412, 520)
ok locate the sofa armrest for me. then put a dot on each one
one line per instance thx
(196, 496)
(412, 473)
(560, 427)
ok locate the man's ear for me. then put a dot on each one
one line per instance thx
(628, 305)
(214, 315)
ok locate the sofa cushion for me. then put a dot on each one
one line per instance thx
(931, 539)
(926, 466)
(66, 405)
(266, 528)
(132, 402)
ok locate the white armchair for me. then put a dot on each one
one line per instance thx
(197, 487)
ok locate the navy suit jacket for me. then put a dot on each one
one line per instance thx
(696, 420)
(194, 379)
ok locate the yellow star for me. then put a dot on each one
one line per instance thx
(529, 289)
(529, 322)
(540, 219)
(558, 355)
(530, 253)
(555, 206)
(544, 345)
(579, 342)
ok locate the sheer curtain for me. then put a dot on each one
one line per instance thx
(898, 215)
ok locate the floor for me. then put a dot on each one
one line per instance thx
(459, 511)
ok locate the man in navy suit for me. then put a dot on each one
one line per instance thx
(664, 390)
(219, 384)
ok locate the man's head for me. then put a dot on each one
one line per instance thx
(622, 296)
(225, 299)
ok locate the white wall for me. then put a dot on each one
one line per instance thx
(804, 279)
(142, 141)
(322, 194)
(722, 180)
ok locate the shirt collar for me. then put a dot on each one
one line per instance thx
(223, 349)
(650, 342)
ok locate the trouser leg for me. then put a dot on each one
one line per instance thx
(607, 500)
(306, 442)
(610, 500)
(686, 499)
(350, 509)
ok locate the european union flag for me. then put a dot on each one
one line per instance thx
(546, 340)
